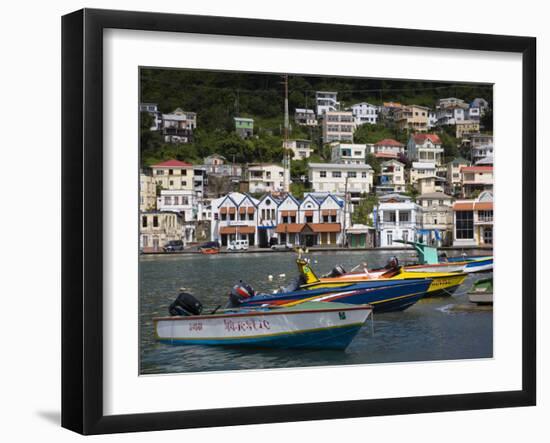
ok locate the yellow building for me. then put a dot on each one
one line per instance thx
(147, 192)
(466, 127)
(412, 117)
(174, 175)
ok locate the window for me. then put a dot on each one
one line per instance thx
(389, 216)
(183, 172)
(183, 183)
(485, 216)
(405, 235)
(389, 237)
(404, 216)
(144, 221)
(309, 218)
(155, 221)
(336, 174)
(168, 200)
(160, 171)
(171, 182)
(352, 174)
(170, 172)
(322, 174)
(363, 174)
(465, 225)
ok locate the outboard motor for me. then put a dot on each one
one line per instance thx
(240, 293)
(184, 305)
(337, 271)
(393, 263)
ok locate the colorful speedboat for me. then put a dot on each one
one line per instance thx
(383, 295)
(442, 283)
(307, 326)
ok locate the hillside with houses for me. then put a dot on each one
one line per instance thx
(356, 163)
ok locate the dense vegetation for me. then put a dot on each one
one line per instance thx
(217, 97)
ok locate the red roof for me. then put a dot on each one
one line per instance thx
(476, 169)
(421, 138)
(470, 206)
(386, 155)
(172, 164)
(388, 142)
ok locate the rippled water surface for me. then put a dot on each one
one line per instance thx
(433, 329)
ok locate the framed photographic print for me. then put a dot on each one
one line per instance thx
(270, 221)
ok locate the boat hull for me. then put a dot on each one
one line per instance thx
(384, 296)
(482, 292)
(309, 327)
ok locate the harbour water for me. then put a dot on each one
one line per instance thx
(441, 328)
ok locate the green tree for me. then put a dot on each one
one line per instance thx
(363, 211)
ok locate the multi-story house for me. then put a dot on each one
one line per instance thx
(425, 148)
(476, 179)
(387, 111)
(396, 217)
(411, 117)
(480, 139)
(466, 127)
(347, 153)
(450, 102)
(364, 113)
(450, 115)
(430, 184)
(244, 127)
(147, 192)
(152, 109)
(301, 149)
(173, 174)
(473, 221)
(234, 217)
(319, 219)
(335, 178)
(178, 126)
(437, 218)
(337, 126)
(482, 153)
(420, 170)
(216, 164)
(480, 103)
(454, 177)
(305, 117)
(267, 177)
(158, 228)
(183, 201)
(267, 218)
(326, 101)
(388, 145)
(392, 177)
(432, 119)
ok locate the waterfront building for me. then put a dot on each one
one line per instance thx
(473, 221)
(157, 228)
(476, 179)
(396, 217)
(411, 117)
(267, 177)
(152, 109)
(337, 126)
(348, 153)
(301, 149)
(437, 219)
(465, 127)
(355, 179)
(425, 148)
(174, 174)
(364, 113)
(305, 117)
(147, 192)
(361, 236)
(178, 126)
(234, 217)
(388, 146)
(244, 127)
(319, 219)
(326, 101)
(183, 201)
(392, 177)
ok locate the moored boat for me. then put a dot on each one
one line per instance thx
(482, 292)
(307, 326)
(209, 248)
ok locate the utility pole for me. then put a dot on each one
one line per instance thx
(345, 212)
(286, 159)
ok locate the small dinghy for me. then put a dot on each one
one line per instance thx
(482, 292)
(312, 325)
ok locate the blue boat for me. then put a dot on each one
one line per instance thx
(382, 295)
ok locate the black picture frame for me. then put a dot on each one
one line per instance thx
(82, 218)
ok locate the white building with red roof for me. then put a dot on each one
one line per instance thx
(173, 174)
(425, 148)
